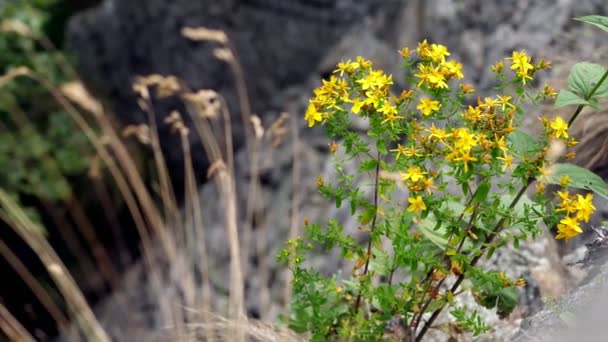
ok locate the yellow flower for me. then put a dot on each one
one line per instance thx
(464, 139)
(387, 108)
(414, 174)
(391, 117)
(312, 115)
(452, 69)
(405, 53)
(564, 181)
(549, 91)
(437, 134)
(438, 53)
(584, 207)
(504, 102)
(497, 68)
(423, 49)
(347, 67)
(400, 150)
(416, 205)
(472, 114)
(466, 158)
(467, 89)
(567, 203)
(559, 127)
(364, 63)
(431, 76)
(428, 185)
(521, 64)
(508, 160)
(428, 106)
(568, 228)
(501, 144)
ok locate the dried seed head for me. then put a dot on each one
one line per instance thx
(278, 131)
(206, 102)
(258, 130)
(141, 132)
(205, 34)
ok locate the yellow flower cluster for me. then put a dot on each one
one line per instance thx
(434, 71)
(358, 85)
(416, 179)
(577, 209)
(520, 62)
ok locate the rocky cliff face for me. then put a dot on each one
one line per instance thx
(284, 48)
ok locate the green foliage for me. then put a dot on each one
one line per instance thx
(39, 143)
(580, 178)
(466, 170)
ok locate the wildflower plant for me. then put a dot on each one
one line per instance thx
(465, 167)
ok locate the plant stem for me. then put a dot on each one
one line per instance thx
(580, 107)
(373, 226)
(497, 228)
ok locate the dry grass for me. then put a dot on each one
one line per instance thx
(158, 219)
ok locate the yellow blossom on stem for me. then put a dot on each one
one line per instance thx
(497, 68)
(423, 49)
(464, 139)
(414, 174)
(437, 134)
(522, 66)
(550, 92)
(466, 158)
(431, 76)
(503, 101)
(452, 69)
(400, 151)
(559, 128)
(428, 185)
(405, 53)
(312, 115)
(416, 204)
(568, 228)
(428, 106)
(467, 89)
(438, 53)
(584, 207)
(564, 181)
(508, 162)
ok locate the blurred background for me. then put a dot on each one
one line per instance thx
(113, 213)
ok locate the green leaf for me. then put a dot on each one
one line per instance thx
(436, 236)
(481, 193)
(580, 178)
(596, 20)
(505, 300)
(566, 98)
(522, 143)
(368, 165)
(584, 77)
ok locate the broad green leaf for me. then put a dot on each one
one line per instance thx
(596, 20)
(368, 165)
(482, 192)
(566, 98)
(522, 143)
(580, 178)
(505, 300)
(436, 236)
(583, 78)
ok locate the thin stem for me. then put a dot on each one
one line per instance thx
(476, 259)
(369, 244)
(580, 107)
